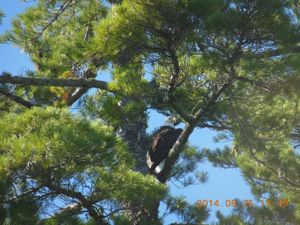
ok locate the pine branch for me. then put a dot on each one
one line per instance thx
(84, 202)
(17, 99)
(86, 83)
(249, 141)
(76, 95)
(266, 87)
(188, 129)
(185, 116)
(88, 74)
(56, 16)
(277, 52)
(65, 212)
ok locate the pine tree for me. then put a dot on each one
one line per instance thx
(231, 66)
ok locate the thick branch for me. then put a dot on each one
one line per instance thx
(175, 152)
(87, 83)
(188, 129)
(175, 75)
(76, 95)
(17, 99)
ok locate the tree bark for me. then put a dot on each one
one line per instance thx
(17, 99)
(87, 83)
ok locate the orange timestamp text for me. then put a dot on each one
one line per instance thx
(246, 202)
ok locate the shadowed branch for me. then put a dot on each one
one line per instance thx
(87, 83)
(17, 99)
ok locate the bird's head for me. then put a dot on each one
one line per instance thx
(171, 121)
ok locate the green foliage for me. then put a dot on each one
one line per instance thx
(185, 171)
(50, 137)
(129, 80)
(188, 214)
(7, 105)
(262, 148)
(65, 44)
(258, 215)
(121, 220)
(57, 36)
(128, 102)
(224, 158)
(1, 16)
(193, 46)
(67, 221)
(136, 26)
(105, 106)
(50, 147)
(23, 211)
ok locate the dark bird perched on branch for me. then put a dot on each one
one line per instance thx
(162, 142)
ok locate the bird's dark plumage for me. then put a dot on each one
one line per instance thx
(162, 142)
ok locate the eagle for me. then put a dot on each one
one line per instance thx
(162, 142)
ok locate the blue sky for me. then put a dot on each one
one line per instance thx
(222, 184)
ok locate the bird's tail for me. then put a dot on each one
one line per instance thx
(160, 167)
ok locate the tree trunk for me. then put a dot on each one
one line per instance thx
(134, 133)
